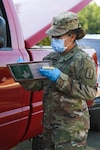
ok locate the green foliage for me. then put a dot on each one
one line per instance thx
(45, 42)
(89, 19)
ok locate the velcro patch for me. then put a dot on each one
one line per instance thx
(89, 73)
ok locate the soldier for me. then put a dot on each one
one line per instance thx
(70, 84)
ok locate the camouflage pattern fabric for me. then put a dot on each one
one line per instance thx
(66, 117)
(62, 23)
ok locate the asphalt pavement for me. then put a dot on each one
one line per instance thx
(93, 142)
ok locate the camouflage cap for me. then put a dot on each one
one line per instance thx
(62, 23)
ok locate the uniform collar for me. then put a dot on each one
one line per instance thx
(70, 54)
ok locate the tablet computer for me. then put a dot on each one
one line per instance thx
(27, 70)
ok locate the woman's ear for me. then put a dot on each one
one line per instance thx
(73, 37)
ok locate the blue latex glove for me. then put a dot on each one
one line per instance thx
(53, 74)
(20, 59)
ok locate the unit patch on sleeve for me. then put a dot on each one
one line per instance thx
(89, 73)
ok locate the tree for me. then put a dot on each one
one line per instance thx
(45, 42)
(90, 18)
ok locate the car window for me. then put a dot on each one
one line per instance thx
(7, 32)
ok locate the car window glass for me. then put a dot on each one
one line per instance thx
(7, 46)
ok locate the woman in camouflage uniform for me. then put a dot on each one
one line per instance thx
(69, 85)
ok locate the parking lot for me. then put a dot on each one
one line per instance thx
(93, 142)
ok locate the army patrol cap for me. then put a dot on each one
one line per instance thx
(62, 23)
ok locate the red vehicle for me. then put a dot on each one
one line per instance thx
(26, 21)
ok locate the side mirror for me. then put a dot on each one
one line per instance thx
(2, 32)
(1, 42)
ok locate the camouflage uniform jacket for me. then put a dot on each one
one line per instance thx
(65, 101)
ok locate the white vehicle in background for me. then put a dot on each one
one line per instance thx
(92, 41)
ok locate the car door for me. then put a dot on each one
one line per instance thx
(14, 100)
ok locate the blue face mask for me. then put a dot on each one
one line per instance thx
(58, 45)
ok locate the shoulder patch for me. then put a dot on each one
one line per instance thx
(89, 73)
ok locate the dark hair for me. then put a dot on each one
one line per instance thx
(79, 32)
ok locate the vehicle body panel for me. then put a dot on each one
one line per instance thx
(14, 107)
(95, 114)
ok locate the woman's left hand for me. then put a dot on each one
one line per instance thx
(51, 74)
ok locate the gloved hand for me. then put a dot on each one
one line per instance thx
(20, 59)
(53, 74)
